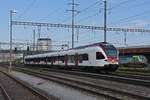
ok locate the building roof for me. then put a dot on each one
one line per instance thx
(133, 47)
(44, 39)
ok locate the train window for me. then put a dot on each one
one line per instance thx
(49, 59)
(41, 59)
(71, 58)
(38, 59)
(136, 60)
(99, 55)
(35, 59)
(59, 58)
(54, 59)
(62, 58)
(45, 59)
(85, 57)
(31, 59)
(80, 58)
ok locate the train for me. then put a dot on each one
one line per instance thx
(101, 56)
(133, 61)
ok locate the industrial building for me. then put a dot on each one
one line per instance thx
(44, 44)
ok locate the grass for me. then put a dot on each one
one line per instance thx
(134, 69)
(3, 69)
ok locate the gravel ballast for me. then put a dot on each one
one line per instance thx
(15, 90)
(59, 91)
(139, 90)
(1, 96)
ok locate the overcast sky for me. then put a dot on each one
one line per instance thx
(120, 13)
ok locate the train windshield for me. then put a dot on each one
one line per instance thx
(110, 50)
(143, 58)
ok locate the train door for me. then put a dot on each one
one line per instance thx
(52, 60)
(66, 60)
(76, 59)
(46, 60)
(38, 60)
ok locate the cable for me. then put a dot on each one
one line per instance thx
(134, 16)
(136, 5)
(119, 4)
(84, 10)
(28, 8)
(52, 12)
(87, 17)
(127, 18)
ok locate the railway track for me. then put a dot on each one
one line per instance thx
(5, 95)
(126, 75)
(138, 74)
(110, 94)
(14, 89)
(134, 75)
(135, 80)
(141, 79)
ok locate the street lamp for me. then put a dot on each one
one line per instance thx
(10, 61)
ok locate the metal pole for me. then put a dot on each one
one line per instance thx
(10, 61)
(33, 40)
(0, 45)
(125, 42)
(68, 44)
(125, 39)
(105, 17)
(72, 23)
(39, 31)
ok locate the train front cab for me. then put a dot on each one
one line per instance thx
(111, 57)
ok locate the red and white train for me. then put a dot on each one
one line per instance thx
(99, 56)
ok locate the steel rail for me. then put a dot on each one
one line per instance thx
(141, 76)
(4, 93)
(92, 75)
(32, 90)
(61, 79)
(134, 73)
(110, 77)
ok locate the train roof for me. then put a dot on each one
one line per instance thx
(80, 47)
(94, 44)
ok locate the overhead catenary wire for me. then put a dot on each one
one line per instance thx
(83, 10)
(121, 3)
(53, 12)
(127, 2)
(27, 8)
(87, 17)
(130, 17)
(127, 19)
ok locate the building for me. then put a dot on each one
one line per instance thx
(44, 44)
